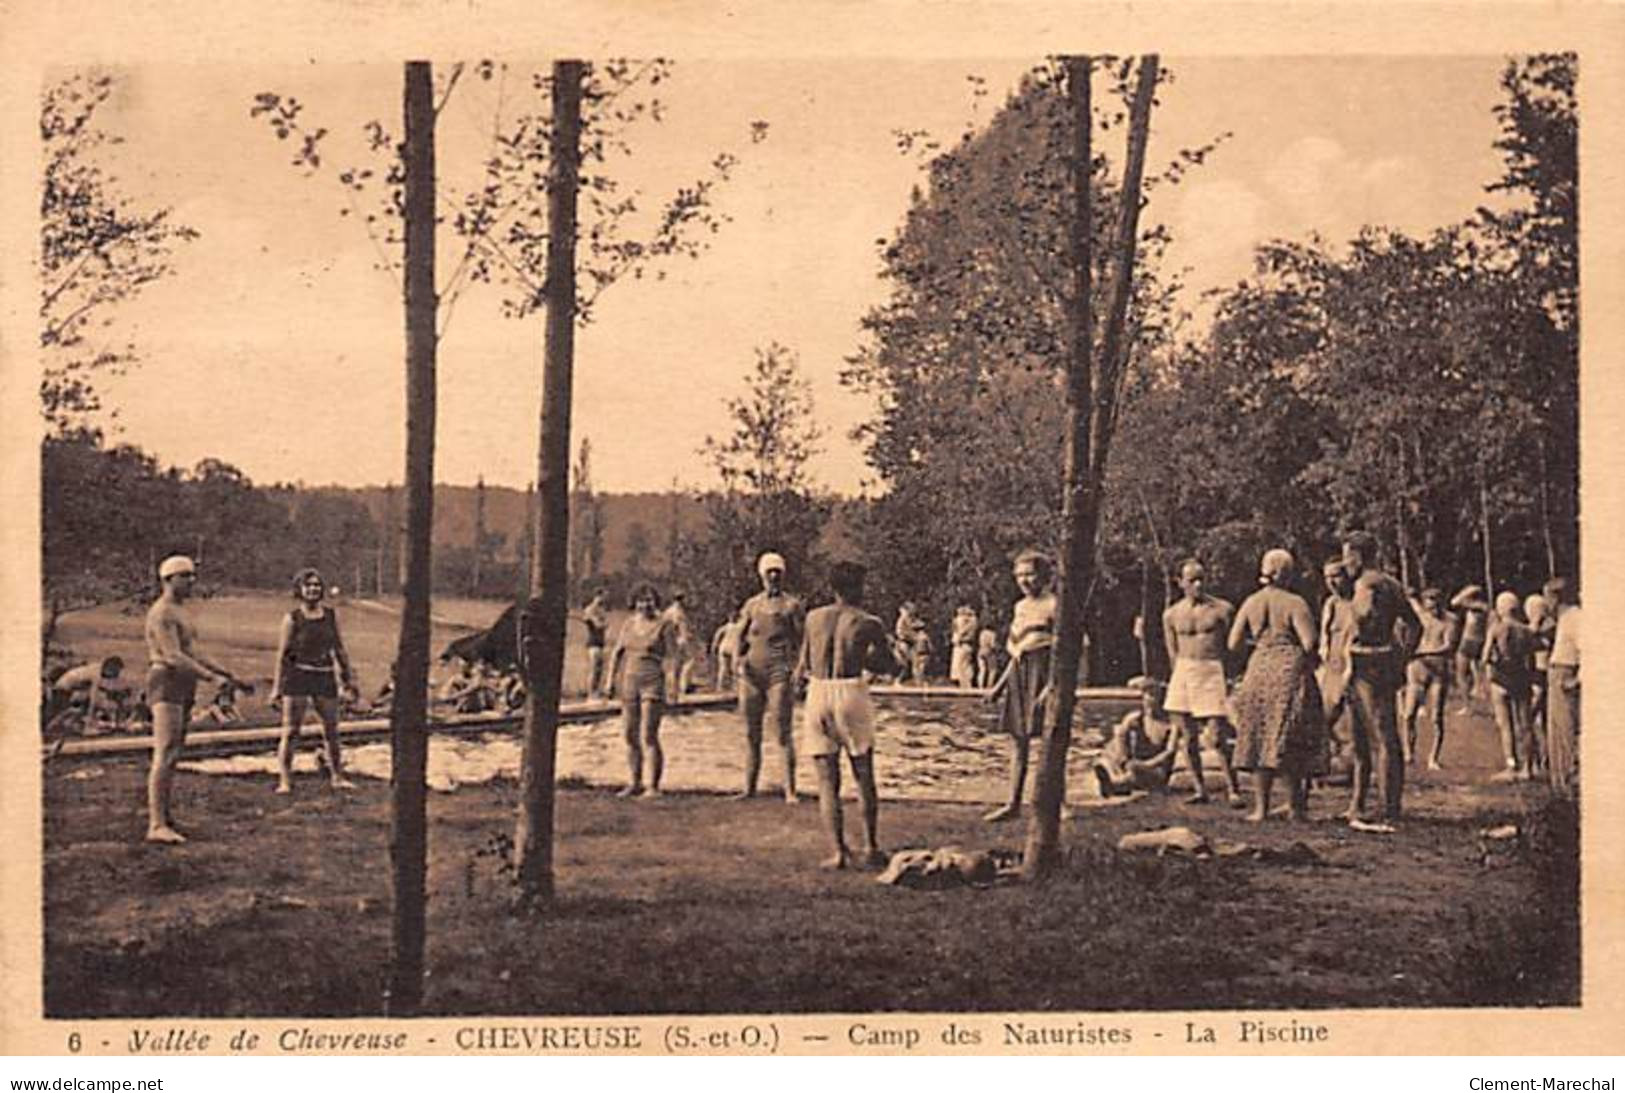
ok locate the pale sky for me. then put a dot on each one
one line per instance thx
(277, 347)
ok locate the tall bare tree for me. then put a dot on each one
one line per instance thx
(542, 626)
(408, 718)
(1092, 388)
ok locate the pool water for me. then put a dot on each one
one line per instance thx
(925, 749)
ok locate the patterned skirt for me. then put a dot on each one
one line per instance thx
(1280, 723)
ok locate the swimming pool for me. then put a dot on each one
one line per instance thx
(941, 749)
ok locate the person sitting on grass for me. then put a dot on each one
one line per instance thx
(465, 691)
(842, 642)
(90, 697)
(1143, 746)
(223, 709)
(637, 675)
(1022, 691)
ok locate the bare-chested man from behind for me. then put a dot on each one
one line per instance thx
(175, 667)
(1377, 657)
(843, 641)
(1194, 629)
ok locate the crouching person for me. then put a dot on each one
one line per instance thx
(1140, 754)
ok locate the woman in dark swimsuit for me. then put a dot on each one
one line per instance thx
(310, 665)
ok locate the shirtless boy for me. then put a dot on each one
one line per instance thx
(175, 667)
(842, 642)
(1194, 629)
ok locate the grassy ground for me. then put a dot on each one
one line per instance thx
(240, 631)
(698, 904)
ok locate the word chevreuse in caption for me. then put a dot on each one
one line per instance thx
(878, 1034)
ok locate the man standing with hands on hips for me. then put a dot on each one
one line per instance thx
(174, 669)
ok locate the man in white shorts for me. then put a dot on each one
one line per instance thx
(842, 642)
(1195, 629)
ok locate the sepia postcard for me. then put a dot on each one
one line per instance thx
(899, 529)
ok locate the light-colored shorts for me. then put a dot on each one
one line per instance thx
(1197, 688)
(838, 717)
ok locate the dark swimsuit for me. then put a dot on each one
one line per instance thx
(307, 665)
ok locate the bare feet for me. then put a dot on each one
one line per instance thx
(1434, 764)
(835, 861)
(341, 782)
(743, 795)
(1197, 799)
(164, 834)
(1002, 813)
(791, 797)
(283, 789)
(1254, 817)
(653, 793)
(630, 791)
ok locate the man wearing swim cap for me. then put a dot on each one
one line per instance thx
(174, 668)
(771, 626)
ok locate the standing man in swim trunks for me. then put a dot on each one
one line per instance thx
(174, 669)
(771, 626)
(1427, 676)
(1195, 629)
(1375, 671)
(843, 641)
(1475, 624)
(596, 620)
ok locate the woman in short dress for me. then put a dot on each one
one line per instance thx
(1023, 689)
(310, 665)
(1280, 722)
(637, 674)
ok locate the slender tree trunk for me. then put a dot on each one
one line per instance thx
(408, 718)
(1090, 413)
(1400, 532)
(1044, 833)
(479, 537)
(1484, 533)
(1546, 505)
(543, 622)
